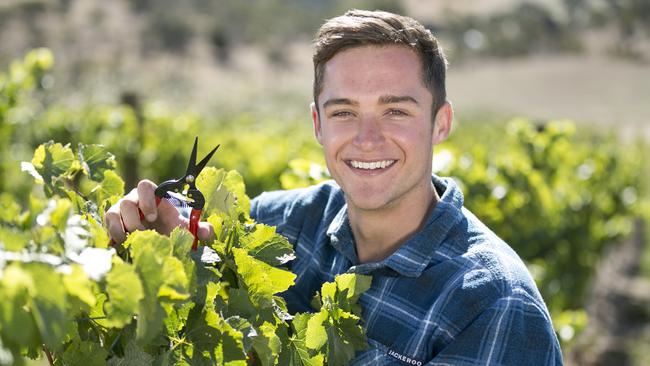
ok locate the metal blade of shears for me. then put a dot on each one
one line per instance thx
(194, 169)
(191, 165)
(204, 161)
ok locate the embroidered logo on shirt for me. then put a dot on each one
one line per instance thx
(406, 359)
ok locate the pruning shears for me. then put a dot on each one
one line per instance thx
(186, 187)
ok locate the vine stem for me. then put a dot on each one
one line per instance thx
(48, 354)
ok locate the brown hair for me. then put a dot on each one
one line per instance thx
(361, 28)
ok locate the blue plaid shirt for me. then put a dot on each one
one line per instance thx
(452, 294)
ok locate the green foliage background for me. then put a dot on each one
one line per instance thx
(557, 195)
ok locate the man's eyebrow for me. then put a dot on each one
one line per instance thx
(339, 101)
(389, 99)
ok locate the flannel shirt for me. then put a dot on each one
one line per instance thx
(452, 294)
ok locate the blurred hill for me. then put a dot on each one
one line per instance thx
(586, 60)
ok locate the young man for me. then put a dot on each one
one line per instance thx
(445, 290)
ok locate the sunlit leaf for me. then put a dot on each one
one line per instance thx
(96, 161)
(262, 280)
(124, 290)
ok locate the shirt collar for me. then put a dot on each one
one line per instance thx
(416, 253)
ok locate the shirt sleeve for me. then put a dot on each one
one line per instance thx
(514, 330)
(271, 208)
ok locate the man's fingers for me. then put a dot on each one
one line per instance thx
(205, 231)
(147, 199)
(114, 225)
(130, 213)
(124, 217)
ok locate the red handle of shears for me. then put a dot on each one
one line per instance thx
(195, 216)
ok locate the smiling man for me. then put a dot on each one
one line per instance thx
(373, 116)
(446, 290)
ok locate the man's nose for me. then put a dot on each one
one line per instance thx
(369, 134)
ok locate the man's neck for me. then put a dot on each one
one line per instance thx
(379, 233)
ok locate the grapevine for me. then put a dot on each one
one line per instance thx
(68, 296)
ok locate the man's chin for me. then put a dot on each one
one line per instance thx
(366, 203)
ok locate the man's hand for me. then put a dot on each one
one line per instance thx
(124, 216)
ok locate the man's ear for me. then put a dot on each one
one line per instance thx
(442, 123)
(316, 121)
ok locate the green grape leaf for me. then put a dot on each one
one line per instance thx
(296, 351)
(84, 353)
(349, 287)
(335, 328)
(317, 360)
(181, 241)
(206, 278)
(316, 334)
(328, 293)
(264, 244)
(163, 278)
(149, 249)
(80, 286)
(235, 183)
(134, 355)
(353, 285)
(60, 213)
(97, 313)
(232, 347)
(111, 187)
(351, 333)
(176, 316)
(53, 160)
(98, 235)
(344, 292)
(261, 280)
(49, 309)
(267, 344)
(124, 290)
(239, 304)
(214, 340)
(12, 239)
(217, 195)
(140, 241)
(16, 323)
(174, 286)
(95, 161)
(204, 338)
(150, 316)
(338, 336)
(339, 351)
(79, 203)
(244, 327)
(217, 222)
(9, 210)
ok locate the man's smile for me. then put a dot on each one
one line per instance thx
(370, 165)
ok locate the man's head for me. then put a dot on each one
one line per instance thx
(362, 28)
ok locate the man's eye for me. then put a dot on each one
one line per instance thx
(341, 114)
(396, 112)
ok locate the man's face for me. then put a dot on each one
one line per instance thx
(375, 126)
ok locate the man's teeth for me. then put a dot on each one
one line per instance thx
(373, 165)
